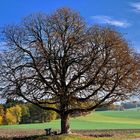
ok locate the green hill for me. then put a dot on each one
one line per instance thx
(129, 119)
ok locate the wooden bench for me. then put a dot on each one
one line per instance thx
(48, 131)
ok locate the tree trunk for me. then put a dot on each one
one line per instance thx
(65, 127)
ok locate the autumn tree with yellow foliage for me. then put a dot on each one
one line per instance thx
(13, 114)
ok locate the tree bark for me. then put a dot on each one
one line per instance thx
(65, 127)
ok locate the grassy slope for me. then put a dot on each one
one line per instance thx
(129, 119)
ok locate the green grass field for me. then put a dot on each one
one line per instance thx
(129, 119)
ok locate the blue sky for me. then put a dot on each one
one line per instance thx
(121, 14)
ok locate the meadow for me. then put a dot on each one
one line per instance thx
(128, 119)
(101, 125)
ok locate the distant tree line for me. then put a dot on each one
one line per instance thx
(109, 107)
(121, 106)
(128, 105)
(18, 112)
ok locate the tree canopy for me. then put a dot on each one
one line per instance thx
(59, 59)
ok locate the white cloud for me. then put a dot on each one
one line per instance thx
(136, 6)
(110, 21)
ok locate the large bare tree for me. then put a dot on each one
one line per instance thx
(58, 59)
